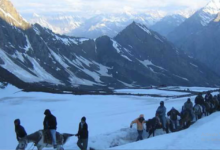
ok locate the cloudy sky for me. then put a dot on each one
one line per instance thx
(86, 6)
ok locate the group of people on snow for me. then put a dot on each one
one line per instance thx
(173, 113)
(50, 123)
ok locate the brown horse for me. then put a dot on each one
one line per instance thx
(185, 120)
(153, 124)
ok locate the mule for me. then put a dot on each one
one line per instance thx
(43, 139)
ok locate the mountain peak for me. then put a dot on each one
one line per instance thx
(213, 7)
(9, 14)
(141, 26)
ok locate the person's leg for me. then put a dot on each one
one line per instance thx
(79, 143)
(175, 124)
(192, 114)
(53, 134)
(85, 144)
(164, 122)
(139, 135)
(161, 121)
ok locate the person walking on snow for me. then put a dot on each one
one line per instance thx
(50, 123)
(19, 130)
(139, 121)
(82, 134)
(161, 110)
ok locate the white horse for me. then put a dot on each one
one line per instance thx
(197, 111)
(39, 139)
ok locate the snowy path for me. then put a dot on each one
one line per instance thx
(108, 117)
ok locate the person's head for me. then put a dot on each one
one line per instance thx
(200, 94)
(141, 119)
(188, 100)
(83, 119)
(162, 103)
(141, 115)
(208, 92)
(172, 108)
(47, 112)
(17, 122)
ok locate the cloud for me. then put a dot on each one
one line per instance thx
(106, 6)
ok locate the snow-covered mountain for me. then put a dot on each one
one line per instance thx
(60, 23)
(9, 14)
(136, 57)
(186, 13)
(204, 45)
(112, 24)
(95, 26)
(209, 12)
(168, 24)
(195, 23)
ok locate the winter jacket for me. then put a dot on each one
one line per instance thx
(199, 100)
(208, 97)
(83, 132)
(173, 114)
(50, 122)
(188, 106)
(139, 123)
(218, 97)
(161, 110)
(20, 132)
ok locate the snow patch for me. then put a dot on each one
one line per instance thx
(143, 27)
(126, 57)
(147, 63)
(28, 46)
(181, 77)
(158, 38)
(17, 70)
(194, 65)
(59, 59)
(116, 45)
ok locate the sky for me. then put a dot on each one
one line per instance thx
(104, 6)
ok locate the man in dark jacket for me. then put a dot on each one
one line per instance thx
(161, 110)
(199, 100)
(82, 134)
(208, 97)
(19, 130)
(50, 123)
(173, 113)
